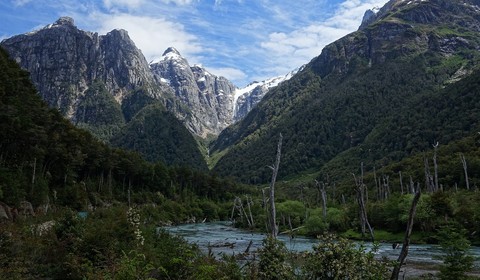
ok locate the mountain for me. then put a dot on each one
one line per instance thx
(248, 97)
(64, 61)
(100, 83)
(372, 96)
(210, 98)
(155, 133)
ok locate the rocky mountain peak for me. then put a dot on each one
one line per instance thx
(65, 21)
(121, 34)
(369, 17)
(171, 51)
(209, 97)
(64, 62)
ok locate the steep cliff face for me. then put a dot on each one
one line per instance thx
(209, 97)
(64, 61)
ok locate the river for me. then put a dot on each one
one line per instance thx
(223, 238)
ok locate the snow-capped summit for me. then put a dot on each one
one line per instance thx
(210, 98)
(246, 98)
(171, 50)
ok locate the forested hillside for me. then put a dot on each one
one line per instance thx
(385, 92)
(46, 159)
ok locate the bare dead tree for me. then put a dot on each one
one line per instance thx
(238, 205)
(408, 233)
(302, 197)
(401, 181)
(435, 167)
(273, 223)
(361, 190)
(250, 202)
(386, 186)
(464, 163)
(264, 206)
(412, 185)
(377, 185)
(428, 176)
(323, 194)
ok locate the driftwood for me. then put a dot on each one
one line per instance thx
(291, 230)
(408, 233)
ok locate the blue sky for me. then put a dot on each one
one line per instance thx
(243, 40)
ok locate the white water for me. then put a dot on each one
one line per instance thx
(222, 238)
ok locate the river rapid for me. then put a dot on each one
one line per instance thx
(222, 238)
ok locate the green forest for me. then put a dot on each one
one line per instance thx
(51, 171)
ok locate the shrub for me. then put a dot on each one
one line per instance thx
(339, 258)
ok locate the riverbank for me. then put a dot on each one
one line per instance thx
(221, 238)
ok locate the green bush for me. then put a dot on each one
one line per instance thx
(273, 261)
(456, 259)
(339, 258)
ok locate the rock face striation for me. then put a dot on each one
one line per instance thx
(64, 61)
(210, 98)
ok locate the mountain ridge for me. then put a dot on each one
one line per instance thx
(65, 61)
(350, 90)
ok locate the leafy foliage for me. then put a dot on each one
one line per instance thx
(456, 259)
(273, 263)
(334, 258)
(99, 113)
(159, 136)
(45, 159)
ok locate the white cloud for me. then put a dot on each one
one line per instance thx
(290, 50)
(123, 3)
(232, 74)
(135, 4)
(179, 2)
(241, 40)
(19, 3)
(152, 35)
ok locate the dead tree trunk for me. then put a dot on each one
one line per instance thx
(250, 202)
(464, 163)
(377, 185)
(401, 181)
(386, 186)
(428, 177)
(435, 167)
(273, 223)
(408, 233)
(265, 207)
(361, 189)
(412, 185)
(323, 195)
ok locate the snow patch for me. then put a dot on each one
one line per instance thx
(165, 81)
(269, 83)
